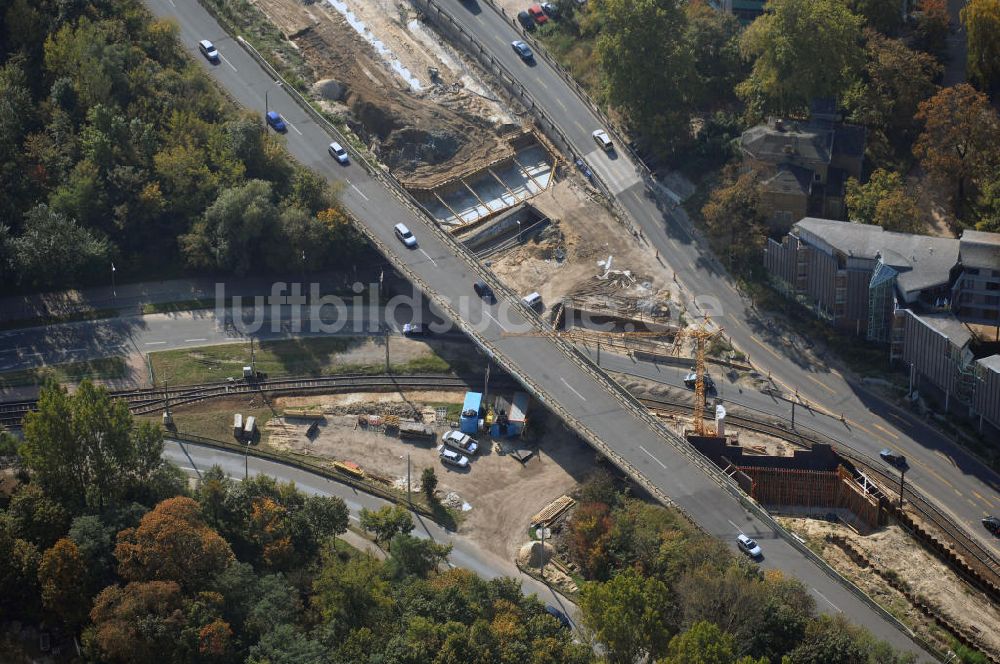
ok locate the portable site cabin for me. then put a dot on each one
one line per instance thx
(250, 427)
(509, 416)
(470, 419)
(238, 426)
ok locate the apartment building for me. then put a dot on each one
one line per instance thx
(919, 295)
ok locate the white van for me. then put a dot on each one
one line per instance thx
(533, 300)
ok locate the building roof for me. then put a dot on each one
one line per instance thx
(991, 362)
(979, 249)
(787, 140)
(789, 179)
(922, 261)
(949, 326)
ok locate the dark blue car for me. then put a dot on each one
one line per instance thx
(274, 120)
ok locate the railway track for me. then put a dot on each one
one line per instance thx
(980, 559)
(151, 400)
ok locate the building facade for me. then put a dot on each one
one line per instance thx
(918, 295)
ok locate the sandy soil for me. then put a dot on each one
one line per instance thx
(892, 550)
(588, 233)
(503, 493)
(446, 128)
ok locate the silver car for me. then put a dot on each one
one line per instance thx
(461, 441)
(749, 547)
(453, 458)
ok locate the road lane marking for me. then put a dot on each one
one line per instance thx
(575, 392)
(293, 127)
(828, 389)
(662, 465)
(74, 350)
(494, 319)
(428, 257)
(355, 189)
(827, 601)
(754, 339)
(155, 343)
(193, 340)
(884, 430)
(735, 526)
(225, 59)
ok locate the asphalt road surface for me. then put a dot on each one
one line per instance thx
(450, 276)
(959, 484)
(196, 459)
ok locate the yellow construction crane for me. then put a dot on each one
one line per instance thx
(701, 337)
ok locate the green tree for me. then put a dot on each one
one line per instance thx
(960, 143)
(83, 449)
(36, 517)
(327, 515)
(628, 615)
(801, 50)
(287, 644)
(415, 556)
(863, 199)
(228, 236)
(95, 542)
(981, 19)
(988, 208)
(642, 41)
(53, 249)
(702, 643)
(428, 484)
(896, 79)
(276, 603)
(713, 41)
(882, 15)
(352, 594)
(19, 560)
(62, 577)
(734, 220)
(387, 522)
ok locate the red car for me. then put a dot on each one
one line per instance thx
(538, 14)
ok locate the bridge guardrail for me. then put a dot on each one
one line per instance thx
(582, 361)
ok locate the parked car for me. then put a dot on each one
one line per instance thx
(558, 615)
(601, 138)
(484, 291)
(551, 9)
(992, 524)
(207, 49)
(338, 152)
(749, 547)
(538, 14)
(453, 458)
(274, 120)
(524, 18)
(893, 458)
(522, 50)
(412, 330)
(461, 441)
(404, 235)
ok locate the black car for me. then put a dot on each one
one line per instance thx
(992, 524)
(484, 291)
(524, 18)
(895, 459)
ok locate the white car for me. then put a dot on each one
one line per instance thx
(412, 330)
(404, 235)
(748, 546)
(601, 138)
(337, 151)
(453, 458)
(207, 49)
(461, 441)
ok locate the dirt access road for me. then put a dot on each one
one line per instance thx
(447, 127)
(503, 493)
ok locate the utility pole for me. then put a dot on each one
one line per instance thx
(902, 474)
(168, 419)
(486, 382)
(114, 291)
(387, 371)
(598, 352)
(793, 414)
(253, 364)
(409, 493)
(541, 557)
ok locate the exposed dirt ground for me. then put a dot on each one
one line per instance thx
(502, 493)
(446, 128)
(893, 551)
(587, 232)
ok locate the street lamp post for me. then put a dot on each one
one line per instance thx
(114, 291)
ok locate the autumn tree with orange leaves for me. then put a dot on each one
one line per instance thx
(172, 543)
(960, 144)
(62, 576)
